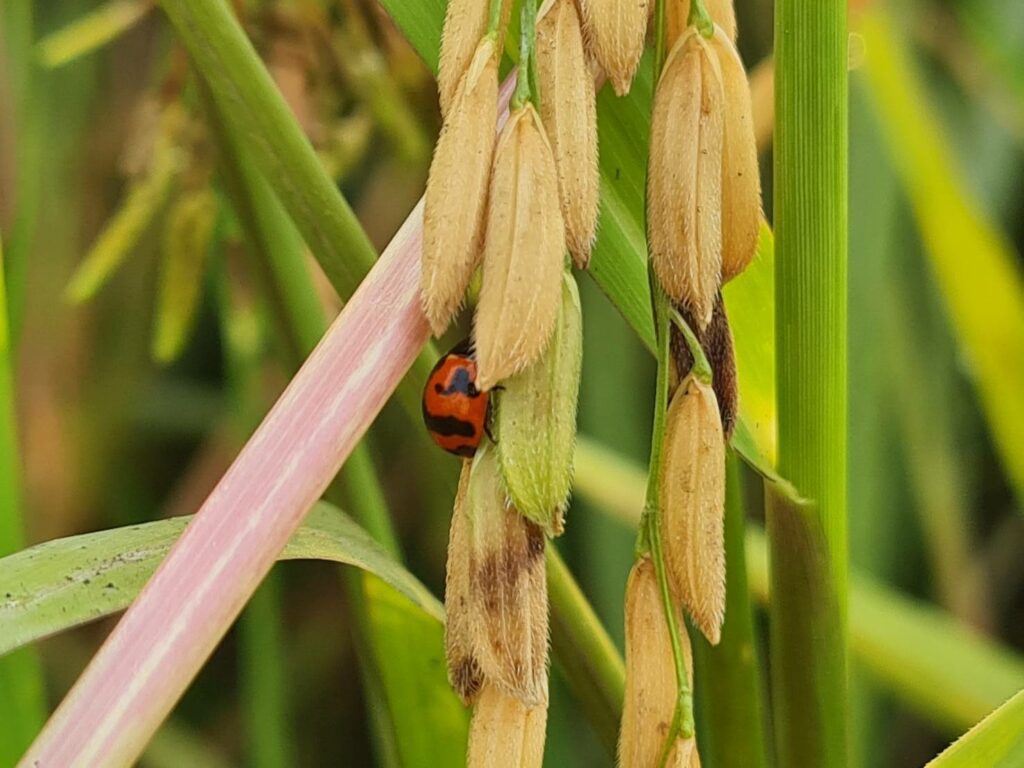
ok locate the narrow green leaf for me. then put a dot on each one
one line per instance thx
(408, 652)
(67, 582)
(140, 206)
(263, 679)
(995, 742)
(186, 244)
(90, 31)
(22, 704)
(973, 262)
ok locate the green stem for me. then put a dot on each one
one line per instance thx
(650, 525)
(701, 19)
(809, 541)
(728, 683)
(494, 21)
(701, 368)
(525, 84)
(264, 691)
(584, 652)
(22, 704)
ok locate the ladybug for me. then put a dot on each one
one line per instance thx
(454, 410)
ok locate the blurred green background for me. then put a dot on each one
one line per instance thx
(130, 405)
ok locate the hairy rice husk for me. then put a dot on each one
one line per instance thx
(569, 111)
(685, 177)
(677, 14)
(524, 253)
(651, 688)
(741, 179)
(508, 600)
(615, 34)
(465, 24)
(457, 192)
(506, 732)
(692, 500)
(464, 671)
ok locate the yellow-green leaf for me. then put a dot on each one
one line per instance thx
(973, 262)
(186, 243)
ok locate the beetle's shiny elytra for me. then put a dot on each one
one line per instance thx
(454, 410)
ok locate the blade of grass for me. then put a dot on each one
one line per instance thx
(984, 294)
(809, 541)
(593, 667)
(90, 31)
(24, 115)
(946, 672)
(71, 581)
(23, 706)
(264, 687)
(995, 742)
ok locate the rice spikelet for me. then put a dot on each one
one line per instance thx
(524, 252)
(651, 689)
(464, 671)
(569, 111)
(457, 189)
(685, 177)
(508, 599)
(536, 423)
(616, 30)
(741, 179)
(692, 500)
(465, 24)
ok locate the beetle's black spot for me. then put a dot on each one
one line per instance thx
(449, 426)
(466, 451)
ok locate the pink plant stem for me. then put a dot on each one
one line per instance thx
(170, 630)
(165, 637)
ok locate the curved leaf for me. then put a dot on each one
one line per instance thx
(997, 741)
(973, 262)
(66, 582)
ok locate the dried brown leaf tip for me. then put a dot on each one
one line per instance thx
(506, 732)
(684, 192)
(465, 25)
(692, 499)
(616, 30)
(524, 253)
(741, 180)
(457, 190)
(651, 691)
(569, 111)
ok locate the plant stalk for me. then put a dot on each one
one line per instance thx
(809, 541)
